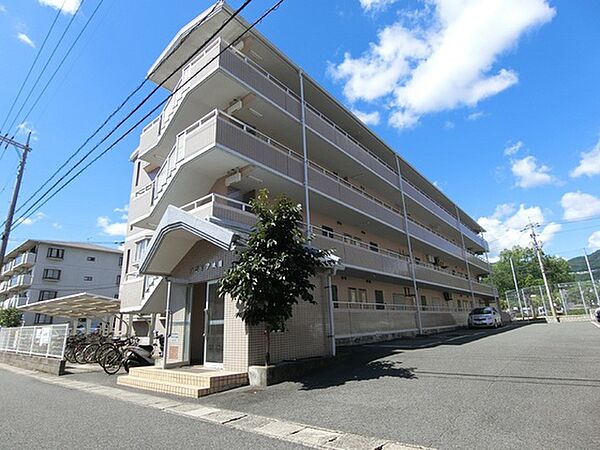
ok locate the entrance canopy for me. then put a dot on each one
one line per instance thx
(76, 306)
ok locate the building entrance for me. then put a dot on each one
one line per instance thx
(208, 318)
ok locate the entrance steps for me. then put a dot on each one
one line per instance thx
(192, 381)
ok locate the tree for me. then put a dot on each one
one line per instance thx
(10, 317)
(527, 269)
(274, 268)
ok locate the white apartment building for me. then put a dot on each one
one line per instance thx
(39, 270)
(246, 117)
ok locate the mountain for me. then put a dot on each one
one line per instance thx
(578, 264)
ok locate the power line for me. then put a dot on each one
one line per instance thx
(112, 114)
(37, 56)
(39, 77)
(64, 58)
(32, 209)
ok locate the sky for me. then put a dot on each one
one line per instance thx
(496, 101)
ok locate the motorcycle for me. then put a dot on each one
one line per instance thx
(597, 314)
(143, 355)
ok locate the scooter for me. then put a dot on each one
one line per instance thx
(143, 355)
(597, 314)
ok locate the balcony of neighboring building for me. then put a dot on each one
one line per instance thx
(235, 81)
(22, 261)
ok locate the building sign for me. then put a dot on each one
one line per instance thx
(206, 267)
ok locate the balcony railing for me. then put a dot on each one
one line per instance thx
(19, 281)
(374, 306)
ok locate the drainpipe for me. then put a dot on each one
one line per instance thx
(305, 157)
(331, 318)
(410, 252)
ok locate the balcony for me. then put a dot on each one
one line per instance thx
(24, 260)
(17, 300)
(222, 208)
(19, 282)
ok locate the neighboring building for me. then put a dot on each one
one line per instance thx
(410, 259)
(40, 270)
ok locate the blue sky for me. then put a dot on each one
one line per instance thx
(494, 100)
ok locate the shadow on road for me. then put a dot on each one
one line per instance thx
(368, 361)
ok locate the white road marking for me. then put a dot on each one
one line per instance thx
(306, 435)
(596, 323)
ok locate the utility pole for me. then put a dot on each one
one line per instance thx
(587, 261)
(512, 267)
(536, 246)
(15, 195)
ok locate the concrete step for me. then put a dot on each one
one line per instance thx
(171, 376)
(165, 387)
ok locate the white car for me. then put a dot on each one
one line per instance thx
(486, 316)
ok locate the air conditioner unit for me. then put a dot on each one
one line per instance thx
(431, 259)
(447, 296)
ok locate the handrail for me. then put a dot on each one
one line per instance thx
(370, 306)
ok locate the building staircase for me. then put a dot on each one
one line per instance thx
(192, 381)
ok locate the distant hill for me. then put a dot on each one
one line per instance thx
(578, 264)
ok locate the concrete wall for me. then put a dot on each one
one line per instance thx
(49, 365)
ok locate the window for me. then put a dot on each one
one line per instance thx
(127, 262)
(55, 253)
(423, 300)
(42, 319)
(47, 295)
(88, 278)
(348, 239)
(327, 231)
(362, 295)
(116, 296)
(379, 299)
(397, 299)
(120, 261)
(91, 258)
(51, 274)
(407, 292)
(352, 297)
(374, 246)
(140, 249)
(334, 295)
(118, 280)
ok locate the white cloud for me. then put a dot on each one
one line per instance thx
(513, 149)
(448, 125)
(123, 211)
(67, 6)
(475, 115)
(444, 62)
(594, 240)
(111, 228)
(503, 227)
(371, 118)
(3, 9)
(530, 174)
(25, 39)
(376, 5)
(579, 205)
(24, 128)
(589, 164)
(33, 219)
(57, 226)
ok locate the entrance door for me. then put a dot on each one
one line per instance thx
(379, 300)
(215, 319)
(177, 336)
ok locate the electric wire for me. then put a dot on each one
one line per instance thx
(26, 79)
(111, 115)
(39, 77)
(59, 66)
(34, 209)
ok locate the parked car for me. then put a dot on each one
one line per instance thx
(486, 316)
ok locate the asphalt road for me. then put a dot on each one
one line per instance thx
(535, 386)
(38, 415)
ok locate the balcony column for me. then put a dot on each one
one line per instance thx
(464, 252)
(305, 157)
(410, 252)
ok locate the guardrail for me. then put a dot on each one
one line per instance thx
(48, 341)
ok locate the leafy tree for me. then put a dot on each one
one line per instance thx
(528, 270)
(10, 317)
(274, 269)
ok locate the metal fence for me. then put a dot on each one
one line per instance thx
(45, 340)
(576, 298)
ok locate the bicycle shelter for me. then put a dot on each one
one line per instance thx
(82, 305)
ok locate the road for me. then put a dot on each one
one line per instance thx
(533, 386)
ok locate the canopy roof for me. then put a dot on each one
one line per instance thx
(76, 306)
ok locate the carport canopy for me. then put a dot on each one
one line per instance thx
(76, 306)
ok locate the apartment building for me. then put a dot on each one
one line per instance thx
(245, 117)
(40, 270)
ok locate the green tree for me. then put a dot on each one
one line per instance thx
(527, 269)
(274, 269)
(10, 317)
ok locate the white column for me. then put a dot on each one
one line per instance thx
(305, 157)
